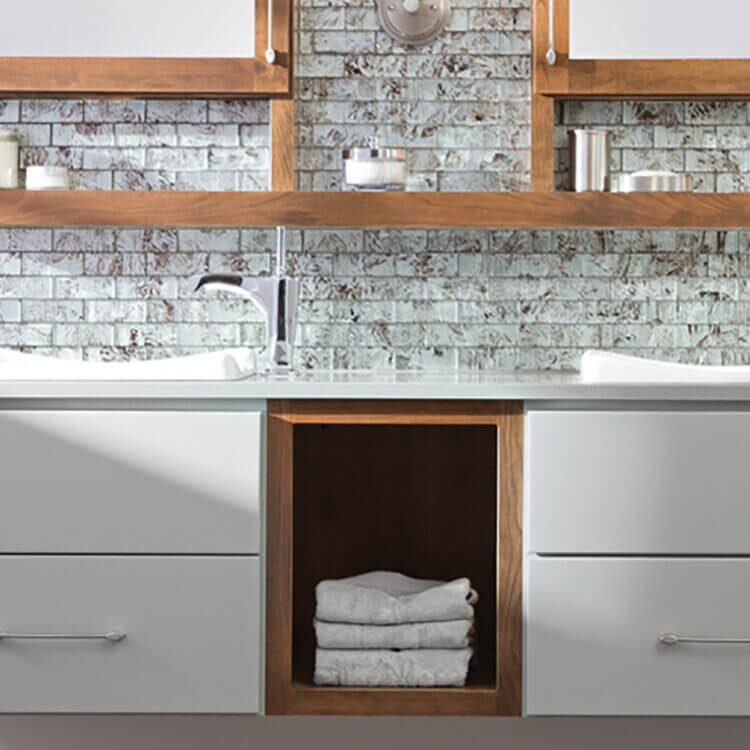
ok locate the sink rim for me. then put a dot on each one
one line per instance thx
(218, 366)
(612, 367)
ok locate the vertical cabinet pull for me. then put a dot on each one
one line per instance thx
(551, 54)
(113, 636)
(270, 51)
(672, 639)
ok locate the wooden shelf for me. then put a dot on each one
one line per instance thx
(479, 697)
(521, 210)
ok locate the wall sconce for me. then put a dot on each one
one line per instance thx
(414, 22)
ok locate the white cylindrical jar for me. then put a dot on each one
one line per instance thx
(47, 178)
(374, 168)
(8, 160)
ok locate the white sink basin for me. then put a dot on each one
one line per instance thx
(232, 364)
(606, 367)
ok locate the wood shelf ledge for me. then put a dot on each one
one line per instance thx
(411, 209)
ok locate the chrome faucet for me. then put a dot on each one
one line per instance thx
(276, 296)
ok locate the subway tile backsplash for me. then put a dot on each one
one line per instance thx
(146, 145)
(460, 105)
(708, 139)
(383, 298)
(386, 298)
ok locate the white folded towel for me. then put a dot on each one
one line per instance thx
(410, 635)
(377, 668)
(383, 598)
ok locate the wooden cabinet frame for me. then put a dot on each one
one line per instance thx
(627, 78)
(283, 694)
(162, 77)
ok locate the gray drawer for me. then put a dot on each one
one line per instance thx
(192, 630)
(593, 630)
(131, 482)
(638, 482)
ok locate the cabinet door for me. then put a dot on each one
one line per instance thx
(639, 47)
(593, 629)
(638, 482)
(146, 482)
(191, 627)
(145, 47)
(659, 30)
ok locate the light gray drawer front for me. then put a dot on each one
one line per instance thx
(192, 634)
(593, 628)
(638, 482)
(147, 482)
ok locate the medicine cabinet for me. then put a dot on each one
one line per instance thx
(682, 48)
(146, 48)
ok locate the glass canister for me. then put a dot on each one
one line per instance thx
(374, 168)
(8, 160)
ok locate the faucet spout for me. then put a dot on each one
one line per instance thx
(224, 282)
(276, 297)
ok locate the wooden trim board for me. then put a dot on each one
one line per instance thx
(542, 143)
(348, 209)
(282, 144)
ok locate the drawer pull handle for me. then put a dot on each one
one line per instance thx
(551, 55)
(672, 639)
(113, 636)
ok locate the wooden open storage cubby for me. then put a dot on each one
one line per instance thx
(429, 489)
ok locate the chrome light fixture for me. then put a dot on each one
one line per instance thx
(414, 22)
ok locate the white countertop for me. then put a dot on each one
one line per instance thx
(484, 385)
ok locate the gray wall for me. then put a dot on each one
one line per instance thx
(391, 299)
(362, 733)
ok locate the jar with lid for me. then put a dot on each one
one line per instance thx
(374, 168)
(8, 160)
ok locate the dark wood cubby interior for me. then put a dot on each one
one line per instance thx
(417, 499)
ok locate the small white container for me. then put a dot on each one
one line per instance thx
(374, 168)
(47, 178)
(653, 180)
(8, 160)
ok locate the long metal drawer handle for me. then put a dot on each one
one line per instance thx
(551, 54)
(672, 639)
(113, 636)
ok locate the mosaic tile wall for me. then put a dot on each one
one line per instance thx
(708, 140)
(138, 145)
(461, 105)
(393, 299)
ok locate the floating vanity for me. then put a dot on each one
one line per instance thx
(168, 535)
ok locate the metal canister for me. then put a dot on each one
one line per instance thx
(8, 160)
(589, 160)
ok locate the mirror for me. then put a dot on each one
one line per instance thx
(659, 29)
(129, 28)
(145, 48)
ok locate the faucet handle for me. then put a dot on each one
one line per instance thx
(229, 282)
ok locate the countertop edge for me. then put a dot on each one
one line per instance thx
(350, 385)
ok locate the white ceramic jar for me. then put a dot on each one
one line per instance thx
(374, 168)
(8, 160)
(47, 178)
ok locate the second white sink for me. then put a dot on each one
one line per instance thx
(231, 364)
(606, 367)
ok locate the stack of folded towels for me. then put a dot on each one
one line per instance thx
(386, 629)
